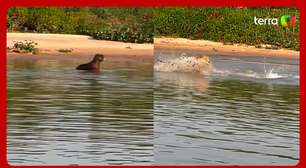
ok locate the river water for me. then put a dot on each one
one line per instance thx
(57, 115)
(246, 112)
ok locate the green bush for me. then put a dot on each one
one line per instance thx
(119, 24)
(227, 25)
(26, 46)
(139, 25)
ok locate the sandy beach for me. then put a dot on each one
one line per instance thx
(216, 48)
(80, 45)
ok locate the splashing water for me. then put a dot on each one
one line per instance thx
(269, 74)
(272, 75)
(184, 63)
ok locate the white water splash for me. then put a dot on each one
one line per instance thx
(269, 74)
(272, 75)
(198, 64)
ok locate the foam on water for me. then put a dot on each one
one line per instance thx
(273, 75)
(265, 70)
(252, 68)
(198, 64)
(251, 74)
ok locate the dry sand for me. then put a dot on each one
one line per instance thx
(216, 48)
(81, 45)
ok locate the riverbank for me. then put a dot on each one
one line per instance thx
(80, 45)
(216, 48)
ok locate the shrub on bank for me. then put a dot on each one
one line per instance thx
(139, 25)
(227, 25)
(118, 24)
(25, 47)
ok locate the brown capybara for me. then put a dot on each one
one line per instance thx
(92, 65)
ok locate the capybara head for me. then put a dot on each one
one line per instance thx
(98, 58)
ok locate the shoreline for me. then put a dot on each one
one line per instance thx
(211, 48)
(80, 45)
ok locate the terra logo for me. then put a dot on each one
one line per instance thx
(285, 21)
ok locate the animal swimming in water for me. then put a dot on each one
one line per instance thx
(93, 65)
(194, 64)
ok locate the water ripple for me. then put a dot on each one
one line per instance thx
(59, 116)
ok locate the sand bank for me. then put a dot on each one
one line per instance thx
(81, 45)
(216, 48)
(50, 44)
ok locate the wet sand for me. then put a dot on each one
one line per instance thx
(216, 48)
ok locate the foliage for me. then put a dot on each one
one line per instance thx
(139, 25)
(119, 24)
(227, 25)
(26, 46)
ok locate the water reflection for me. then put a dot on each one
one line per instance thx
(233, 122)
(182, 80)
(59, 116)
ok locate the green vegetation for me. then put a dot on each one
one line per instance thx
(228, 25)
(118, 24)
(25, 47)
